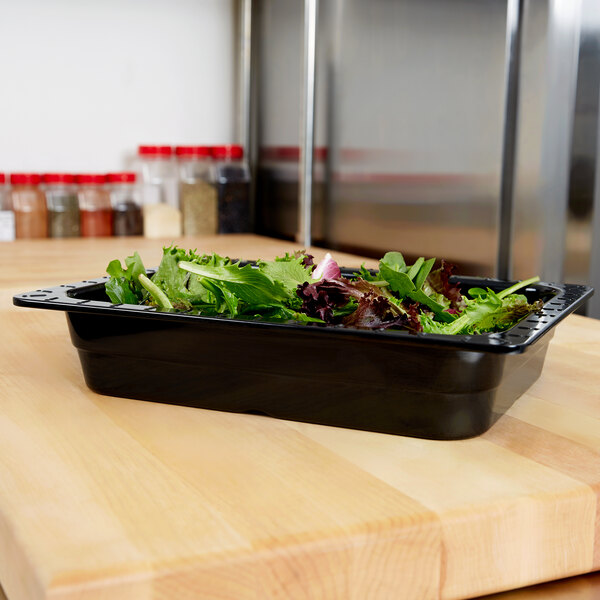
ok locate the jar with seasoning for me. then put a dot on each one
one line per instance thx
(63, 205)
(162, 216)
(7, 216)
(126, 201)
(159, 175)
(233, 189)
(29, 205)
(197, 190)
(94, 206)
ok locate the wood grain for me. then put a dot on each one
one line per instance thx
(113, 498)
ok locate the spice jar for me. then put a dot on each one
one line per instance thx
(94, 206)
(125, 197)
(197, 190)
(233, 189)
(29, 205)
(159, 175)
(7, 216)
(63, 205)
(162, 217)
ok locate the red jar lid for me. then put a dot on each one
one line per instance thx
(58, 178)
(233, 151)
(90, 179)
(2, 178)
(193, 151)
(155, 150)
(126, 177)
(24, 179)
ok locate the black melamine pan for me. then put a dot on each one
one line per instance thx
(423, 385)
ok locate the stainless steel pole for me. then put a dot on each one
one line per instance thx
(514, 17)
(307, 132)
(245, 64)
(246, 104)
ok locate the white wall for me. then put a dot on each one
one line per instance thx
(83, 82)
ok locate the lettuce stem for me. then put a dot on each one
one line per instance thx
(157, 294)
(517, 286)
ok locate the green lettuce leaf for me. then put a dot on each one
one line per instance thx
(119, 291)
(395, 261)
(169, 277)
(289, 273)
(124, 286)
(247, 283)
(401, 283)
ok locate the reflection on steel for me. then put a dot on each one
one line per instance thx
(514, 15)
(416, 102)
(410, 108)
(418, 127)
(245, 96)
(245, 76)
(594, 275)
(549, 54)
(307, 134)
(563, 54)
(581, 234)
(594, 304)
(330, 21)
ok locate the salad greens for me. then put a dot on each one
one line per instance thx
(416, 297)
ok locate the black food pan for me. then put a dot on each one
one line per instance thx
(422, 385)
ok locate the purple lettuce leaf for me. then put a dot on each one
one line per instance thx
(308, 260)
(321, 298)
(439, 281)
(377, 312)
(374, 310)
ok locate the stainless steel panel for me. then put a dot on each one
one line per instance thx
(278, 32)
(410, 122)
(548, 85)
(587, 124)
(528, 200)
(410, 103)
(578, 265)
(563, 51)
(419, 115)
(594, 277)
(279, 28)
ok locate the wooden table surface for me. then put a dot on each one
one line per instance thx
(111, 498)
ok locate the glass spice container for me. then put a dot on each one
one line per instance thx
(29, 205)
(63, 205)
(197, 190)
(94, 206)
(162, 216)
(125, 197)
(158, 175)
(7, 216)
(233, 189)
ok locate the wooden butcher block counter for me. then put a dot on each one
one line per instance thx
(109, 498)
